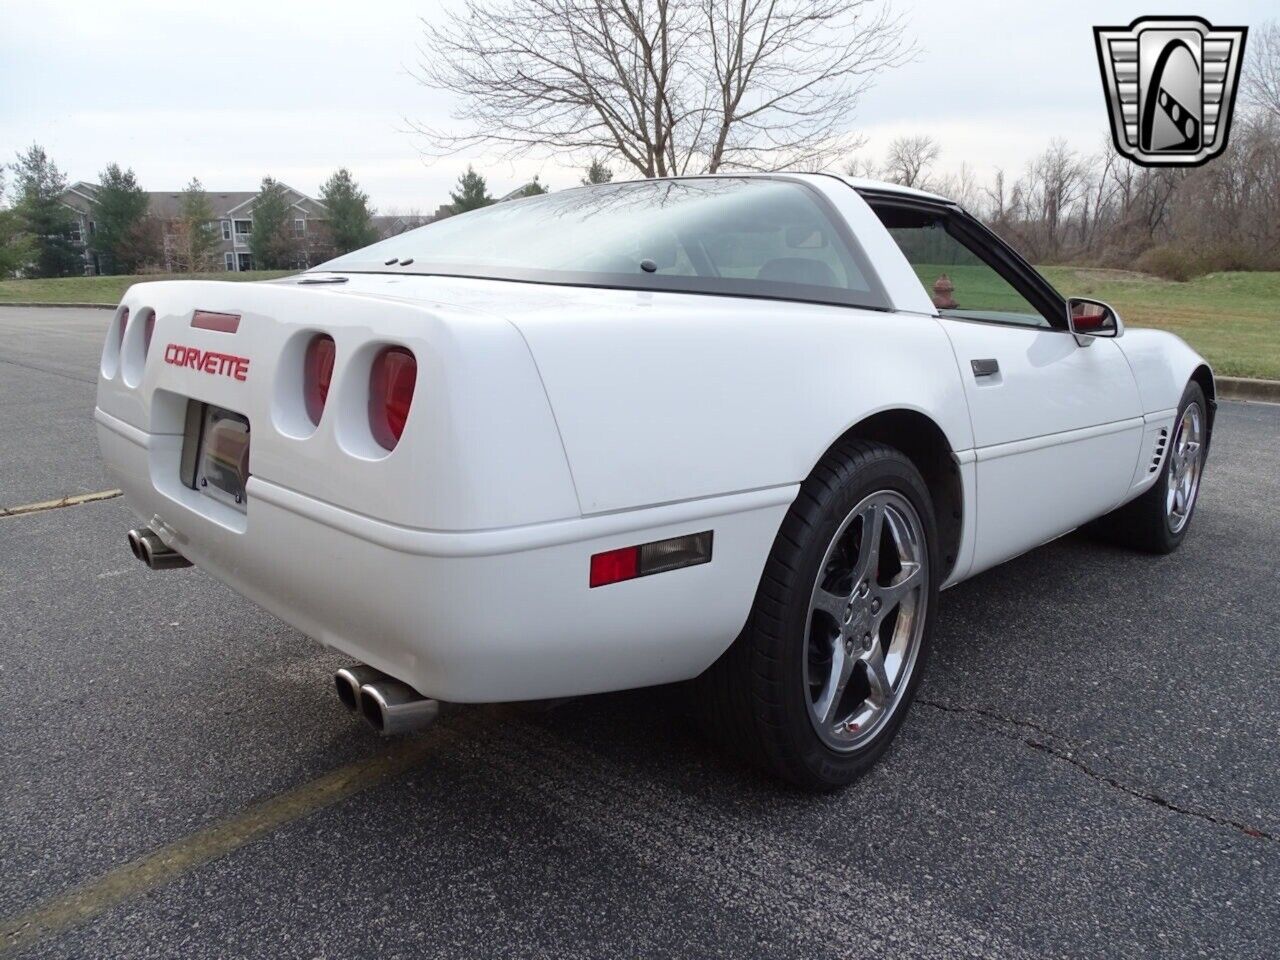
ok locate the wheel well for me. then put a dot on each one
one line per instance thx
(927, 447)
(1203, 376)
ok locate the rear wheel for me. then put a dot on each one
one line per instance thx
(821, 678)
(1158, 520)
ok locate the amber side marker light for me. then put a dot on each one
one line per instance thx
(627, 563)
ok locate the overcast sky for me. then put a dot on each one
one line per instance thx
(229, 92)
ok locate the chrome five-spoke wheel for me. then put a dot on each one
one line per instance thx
(866, 619)
(1185, 461)
(819, 681)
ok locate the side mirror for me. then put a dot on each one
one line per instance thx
(1092, 318)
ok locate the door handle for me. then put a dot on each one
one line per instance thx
(984, 368)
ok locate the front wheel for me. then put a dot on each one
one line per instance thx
(819, 682)
(1157, 521)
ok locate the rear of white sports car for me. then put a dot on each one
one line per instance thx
(530, 452)
(383, 470)
(638, 433)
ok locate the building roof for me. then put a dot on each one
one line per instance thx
(167, 204)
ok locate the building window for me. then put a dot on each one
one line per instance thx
(76, 235)
(226, 229)
(230, 260)
(93, 227)
(244, 228)
(246, 261)
(299, 227)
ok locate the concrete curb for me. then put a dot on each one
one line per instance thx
(46, 303)
(1245, 388)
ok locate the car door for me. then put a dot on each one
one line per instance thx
(1057, 425)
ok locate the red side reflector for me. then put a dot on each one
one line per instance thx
(615, 566)
(627, 563)
(222, 322)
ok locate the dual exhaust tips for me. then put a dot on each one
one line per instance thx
(389, 705)
(146, 545)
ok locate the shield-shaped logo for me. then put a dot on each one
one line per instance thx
(1171, 86)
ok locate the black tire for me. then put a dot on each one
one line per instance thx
(1144, 523)
(755, 698)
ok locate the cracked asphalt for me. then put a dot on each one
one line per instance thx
(1092, 768)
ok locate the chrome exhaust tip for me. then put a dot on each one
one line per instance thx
(146, 545)
(135, 544)
(393, 707)
(349, 680)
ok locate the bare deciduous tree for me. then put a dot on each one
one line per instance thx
(961, 186)
(910, 158)
(1261, 82)
(1052, 184)
(863, 167)
(668, 86)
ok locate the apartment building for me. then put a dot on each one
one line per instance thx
(233, 220)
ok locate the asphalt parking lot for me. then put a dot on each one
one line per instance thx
(1093, 768)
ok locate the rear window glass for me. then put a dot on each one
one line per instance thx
(746, 236)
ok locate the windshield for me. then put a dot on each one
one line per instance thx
(746, 236)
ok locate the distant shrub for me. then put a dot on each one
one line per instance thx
(1170, 262)
(1219, 257)
(1179, 262)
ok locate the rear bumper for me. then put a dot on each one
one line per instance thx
(466, 616)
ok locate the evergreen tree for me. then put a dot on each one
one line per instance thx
(272, 242)
(43, 218)
(196, 234)
(15, 246)
(534, 188)
(597, 173)
(472, 193)
(124, 238)
(350, 219)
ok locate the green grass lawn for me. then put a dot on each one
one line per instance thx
(107, 289)
(1231, 318)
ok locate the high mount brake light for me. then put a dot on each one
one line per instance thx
(221, 322)
(627, 563)
(391, 383)
(318, 373)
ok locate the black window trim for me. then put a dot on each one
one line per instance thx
(991, 250)
(877, 299)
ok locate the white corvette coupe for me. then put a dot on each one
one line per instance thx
(740, 429)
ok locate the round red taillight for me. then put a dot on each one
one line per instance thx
(391, 381)
(317, 373)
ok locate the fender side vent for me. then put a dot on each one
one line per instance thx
(1157, 455)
